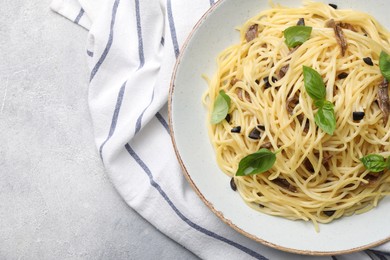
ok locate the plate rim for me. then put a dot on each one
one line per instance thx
(210, 205)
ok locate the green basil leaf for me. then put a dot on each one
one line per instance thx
(327, 105)
(374, 162)
(221, 108)
(225, 96)
(314, 84)
(258, 162)
(296, 35)
(325, 118)
(388, 163)
(384, 65)
(319, 103)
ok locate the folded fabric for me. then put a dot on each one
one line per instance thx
(132, 47)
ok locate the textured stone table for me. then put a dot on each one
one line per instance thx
(56, 201)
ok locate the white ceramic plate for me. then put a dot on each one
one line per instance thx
(213, 33)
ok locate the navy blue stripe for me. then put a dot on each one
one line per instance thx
(376, 251)
(90, 53)
(163, 122)
(139, 31)
(81, 13)
(182, 217)
(211, 2)
(172, 28)
(369, 254)
(114, 117)
(379, 255)
(139, 119)
(109, 42)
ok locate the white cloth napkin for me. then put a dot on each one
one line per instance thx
(131, 50)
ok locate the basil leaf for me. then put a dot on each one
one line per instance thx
(296, 35)
(325, 118)
(258, 162)
(327, 105)
(314, 84)
(319, 103)
(388, 163)
(384, 65)
(374, 162)
(221, 108)
(225, 96)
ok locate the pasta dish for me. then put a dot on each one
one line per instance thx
(298, 112)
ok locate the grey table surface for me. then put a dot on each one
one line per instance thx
(56, 201)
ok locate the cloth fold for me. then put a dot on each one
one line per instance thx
(132, 47)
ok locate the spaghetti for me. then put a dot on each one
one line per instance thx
(316, 177)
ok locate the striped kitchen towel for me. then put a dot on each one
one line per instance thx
(132, 46)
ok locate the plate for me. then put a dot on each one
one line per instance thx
(187, 117)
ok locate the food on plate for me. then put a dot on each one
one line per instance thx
(299, 112)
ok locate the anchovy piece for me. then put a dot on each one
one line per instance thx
(338, 31)
(348, 26)
(326, 158)
(283, 70)
(267, 145)
(308, 165)
(372, 179)
(292, 102)
(251, 33)
(283, 183)
(383, 99)
(233, 81)
(243, 96)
